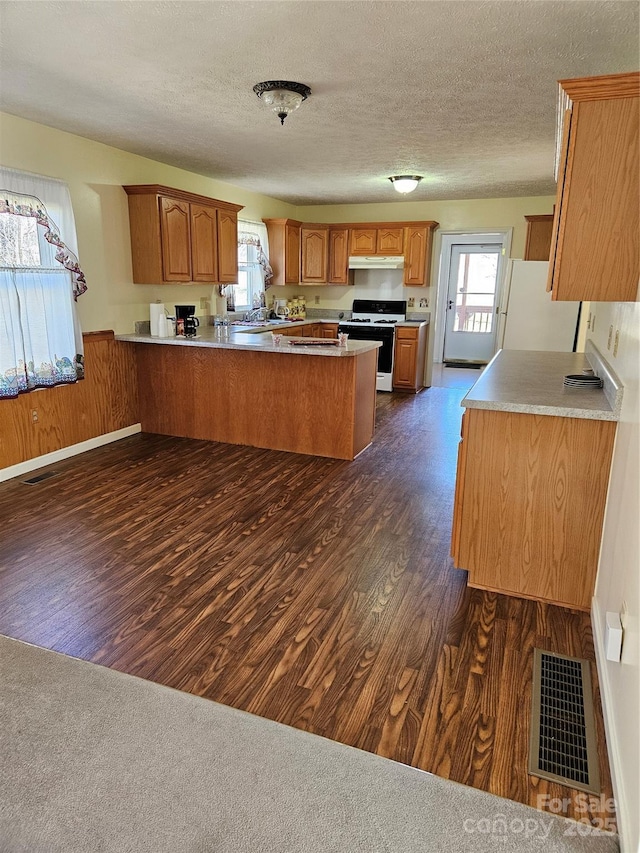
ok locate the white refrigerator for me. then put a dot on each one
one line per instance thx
(530, 320)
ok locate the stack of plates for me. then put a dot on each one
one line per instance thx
(582, 380)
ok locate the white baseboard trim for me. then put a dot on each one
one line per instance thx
(613, 746)
(66, 452)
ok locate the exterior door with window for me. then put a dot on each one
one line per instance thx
(472, 299)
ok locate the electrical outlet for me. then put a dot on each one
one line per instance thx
(34, 416)
(317, 300)
(616, 341)
(204, 303)
(610, 337)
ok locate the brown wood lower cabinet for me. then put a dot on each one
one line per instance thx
(529, 504)
(293, 332)
(230, 395)
(328, 330)
(410, 350)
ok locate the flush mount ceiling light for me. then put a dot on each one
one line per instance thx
(282, 96)
(405, 183)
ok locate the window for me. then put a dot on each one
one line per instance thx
(40, 338)
(254, 272)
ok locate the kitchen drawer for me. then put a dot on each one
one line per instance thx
(407, 332)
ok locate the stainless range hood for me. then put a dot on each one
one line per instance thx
(376, 262)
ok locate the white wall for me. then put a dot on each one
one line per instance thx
(617, 583)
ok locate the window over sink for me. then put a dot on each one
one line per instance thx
(254, 271)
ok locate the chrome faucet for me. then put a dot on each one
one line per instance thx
(255, 314)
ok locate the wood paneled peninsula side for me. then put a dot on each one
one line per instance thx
(238, 388)
(533, 472)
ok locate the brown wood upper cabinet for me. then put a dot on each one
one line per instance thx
(284, 250)
(177, 236)
(227, 246)
(595, 246)
(324, 255)
(314, 254)
(175, 232)
(538, 244)
(414, 240)
(377, 241)
(204, 242)
(324, 249)
(417, 255)
(339, 257)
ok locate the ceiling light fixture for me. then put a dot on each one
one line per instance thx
(282, 96)
(405, 183)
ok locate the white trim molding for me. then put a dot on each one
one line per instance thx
(66, 452)
(613, 745)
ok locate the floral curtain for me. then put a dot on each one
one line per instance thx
(258, 240)
(254, 270)
(40, 279)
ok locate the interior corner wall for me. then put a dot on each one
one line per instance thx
(618, 581)
(96, 174)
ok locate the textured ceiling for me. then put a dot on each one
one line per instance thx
(462, 91)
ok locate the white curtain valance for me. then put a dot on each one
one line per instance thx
(48, 201)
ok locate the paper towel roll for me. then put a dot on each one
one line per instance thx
(156, 312)
(221, 305)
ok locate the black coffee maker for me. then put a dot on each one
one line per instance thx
(186, 322)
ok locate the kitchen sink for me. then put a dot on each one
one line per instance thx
(258, 323)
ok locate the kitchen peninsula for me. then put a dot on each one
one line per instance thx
(239, 388)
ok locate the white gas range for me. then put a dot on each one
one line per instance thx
(374, 320)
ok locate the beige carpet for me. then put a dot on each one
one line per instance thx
(97, 761)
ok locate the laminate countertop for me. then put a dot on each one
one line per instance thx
(532, 383)
(255, 339)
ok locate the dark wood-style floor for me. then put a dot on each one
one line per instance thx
(311, 591)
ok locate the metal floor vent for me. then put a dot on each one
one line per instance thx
(562, 747)
(39, 478)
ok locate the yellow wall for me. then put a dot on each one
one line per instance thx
(95, 174)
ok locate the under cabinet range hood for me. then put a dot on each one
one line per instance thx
(376, 262)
